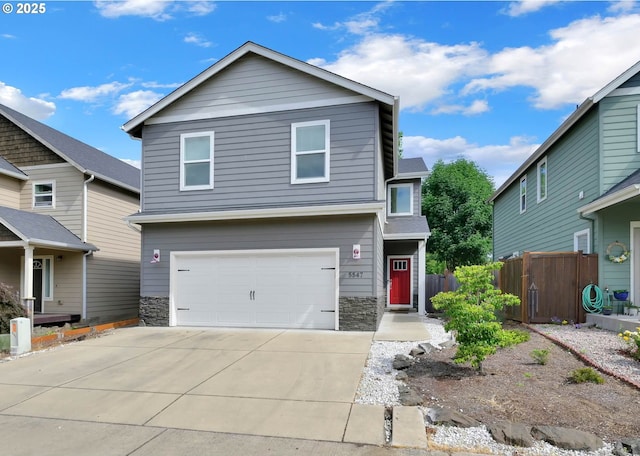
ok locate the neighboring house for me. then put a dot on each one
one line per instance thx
(273, 196)
(580, 190)
(64, 243)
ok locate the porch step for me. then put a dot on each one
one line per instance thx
(616, 323)
(48, 319)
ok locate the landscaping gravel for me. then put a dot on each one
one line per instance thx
(598, 347)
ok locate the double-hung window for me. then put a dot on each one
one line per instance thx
(44, 194)
(196, 161)
(542, 180)
(523, 194)
(400, 199)
(310, 152)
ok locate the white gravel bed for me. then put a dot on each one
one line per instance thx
(379, 386)
(598, 345)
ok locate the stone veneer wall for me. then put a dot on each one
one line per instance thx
(356, 314)
(361, 314)
(154, 311)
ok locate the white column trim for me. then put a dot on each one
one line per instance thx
(421, 277)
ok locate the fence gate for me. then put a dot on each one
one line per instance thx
(549, 284)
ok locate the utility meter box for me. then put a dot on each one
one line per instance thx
(20, 336)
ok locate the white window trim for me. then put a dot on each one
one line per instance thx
(326, 151)
(53, 194)
(183, 137)
(394, 214)
(577, 234)
(522, 209)
(546, 181)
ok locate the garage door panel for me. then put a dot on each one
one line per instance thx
(261, 289)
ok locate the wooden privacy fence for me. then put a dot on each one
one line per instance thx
(435, 283)
(549, 284)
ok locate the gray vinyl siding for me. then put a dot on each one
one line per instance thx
(252, 161)
(549, 225)
(68, 194)
(113, 272)
(619, 141)
(252, 83)
(324, 232)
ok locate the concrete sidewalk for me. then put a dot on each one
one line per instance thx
(194, 391)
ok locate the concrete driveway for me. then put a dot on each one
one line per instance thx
(145, 384)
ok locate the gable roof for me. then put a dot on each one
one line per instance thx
(41, 230)
(10, 170)
(388, 111)
(624, 190)
(578, 114)
(412, 168)
(85, 158)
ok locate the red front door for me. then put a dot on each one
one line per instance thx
(400, 281)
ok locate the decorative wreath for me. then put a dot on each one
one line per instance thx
(621, 254)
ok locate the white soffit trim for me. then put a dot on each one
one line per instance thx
(610, 200)
(307, 211)
(407, 236)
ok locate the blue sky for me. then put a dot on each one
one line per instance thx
(484, 80)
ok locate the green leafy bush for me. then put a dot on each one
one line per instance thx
(511, 337)
(585, 374)
(470, 312)
(541, 355)
(10, 307)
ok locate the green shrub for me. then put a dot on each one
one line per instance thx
(585, 374)
(541, 355)
(10, 307)
(470, 312)
(510, 337)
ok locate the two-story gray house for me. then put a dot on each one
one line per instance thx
(580, 190)
(64, 244)
(273, 196)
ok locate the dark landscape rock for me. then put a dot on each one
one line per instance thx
(568, 439)
(446, 417)
(447, 344)
(417, 351)
(409, 397)
(402, 362)
(514, 434)
(402, 376)
(626, 447)
(428, 347)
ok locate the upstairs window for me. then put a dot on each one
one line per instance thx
(542, 180)
(44, 194)
(196, 161)
(400, 199)
(310, 152)
(523, 194)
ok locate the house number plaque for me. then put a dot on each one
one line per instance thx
(355, 275)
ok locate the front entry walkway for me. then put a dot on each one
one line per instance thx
(401, 327)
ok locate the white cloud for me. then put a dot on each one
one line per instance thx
(522, 7)
(158, 85)
(35, 108)
(622, 6)
(160, 10)
(583, 58)
(499, 161)
(277, 18)
(132, 104)
(476, 107)
(416, 70)
(198, 40)
(360, 24)
(8, 36)
(89, 93)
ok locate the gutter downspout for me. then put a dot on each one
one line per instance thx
(591, 241)
(85, 205)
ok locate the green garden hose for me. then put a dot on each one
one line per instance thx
(592, 305)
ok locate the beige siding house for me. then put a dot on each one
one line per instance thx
(64, 244)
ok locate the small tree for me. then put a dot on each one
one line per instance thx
(10, 307)
(470, 312)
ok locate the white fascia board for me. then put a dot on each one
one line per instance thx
(307, 211)
(617, 82)
(610, 200)
(407, 236)
(62, 245)
(14, 230)
(6, 244)
(6, 172)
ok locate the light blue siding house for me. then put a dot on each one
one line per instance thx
(273, 196)
(580, 190)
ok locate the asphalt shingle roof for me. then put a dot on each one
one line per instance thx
(8, 168)
(412, 166)
(407, 226)
(89, 159)
(41, 229)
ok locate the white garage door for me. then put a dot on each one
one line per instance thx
(271, 289)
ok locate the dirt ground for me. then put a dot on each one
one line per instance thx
(516, 388)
